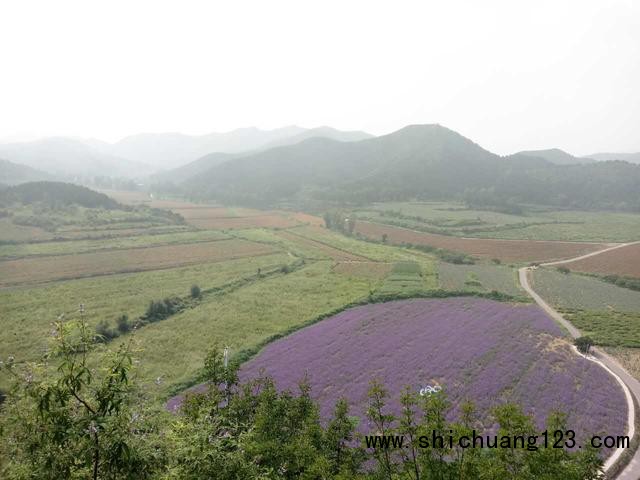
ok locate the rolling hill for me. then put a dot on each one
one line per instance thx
(627, 157)
(418, 161)
(555, 156)
(57, 194)
(171, 150)
(13, 173)
(70, 159)
(182, 173)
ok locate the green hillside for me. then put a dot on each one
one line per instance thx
(426, 162)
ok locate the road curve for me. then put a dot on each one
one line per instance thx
(629, 384)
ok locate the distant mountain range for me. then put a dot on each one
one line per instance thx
(140, 156)
(627, 157)
(419, 161)
(219, 156)
(309, 167)
(555, 156)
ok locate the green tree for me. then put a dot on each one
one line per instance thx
(79, 422)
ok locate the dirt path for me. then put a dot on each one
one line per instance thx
(629, 384)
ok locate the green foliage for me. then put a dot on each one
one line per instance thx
(564, 270)
(195, 291)
(625, 282)
(583, 344)
(609, 328)
(78, 423)
(122, 324)
(56, 194)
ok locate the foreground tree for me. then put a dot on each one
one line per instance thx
(77, 421)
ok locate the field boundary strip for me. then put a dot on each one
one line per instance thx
(507, 250)
(109, 249)
(147, 265)
(312, 241)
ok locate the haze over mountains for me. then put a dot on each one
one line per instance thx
(292, 165)
(142, 155)
(427, 162)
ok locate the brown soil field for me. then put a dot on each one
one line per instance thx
(332, 252)
(505, 250)
(623, 261)
(45, 269)
(306, 218)
(372, 270)
(262, 221)
(202, 212)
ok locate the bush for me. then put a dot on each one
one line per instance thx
(496, 261)
(104, 332)
(195, 291)
(122, 323)
(285, 269)
(564, 270)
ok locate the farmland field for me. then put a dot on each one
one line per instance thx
(621, 261)
(609, 328)
(535, 223)
(174, 349)
(375, 270)
(28, 312)
(331, 252)
(43, 269)
(501, 353)
(19, 250)
(504, 250)
(483, 278)
(571, 291)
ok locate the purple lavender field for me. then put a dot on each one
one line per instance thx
(485, 351)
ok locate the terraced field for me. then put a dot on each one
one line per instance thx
(44, 269)
(504, 250)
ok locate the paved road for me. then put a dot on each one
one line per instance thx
(628, 383)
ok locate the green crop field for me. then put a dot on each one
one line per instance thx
(28, 313)
(572, 291)
(20, 250)
(405, 278)
(535, 223)
(481, 278)
(614, 329)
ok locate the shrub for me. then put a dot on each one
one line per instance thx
(583, 344)
(564, 270)
(496, 261)
(195, 291)
(122, 323)
(104, 332)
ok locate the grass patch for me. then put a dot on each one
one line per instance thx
(614, 329)
(26, 314)
(580, 292)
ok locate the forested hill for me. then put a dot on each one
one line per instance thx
(427, 162)
(57, 194)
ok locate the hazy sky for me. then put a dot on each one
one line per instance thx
(510, 75)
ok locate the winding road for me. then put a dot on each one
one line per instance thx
(629, 384)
